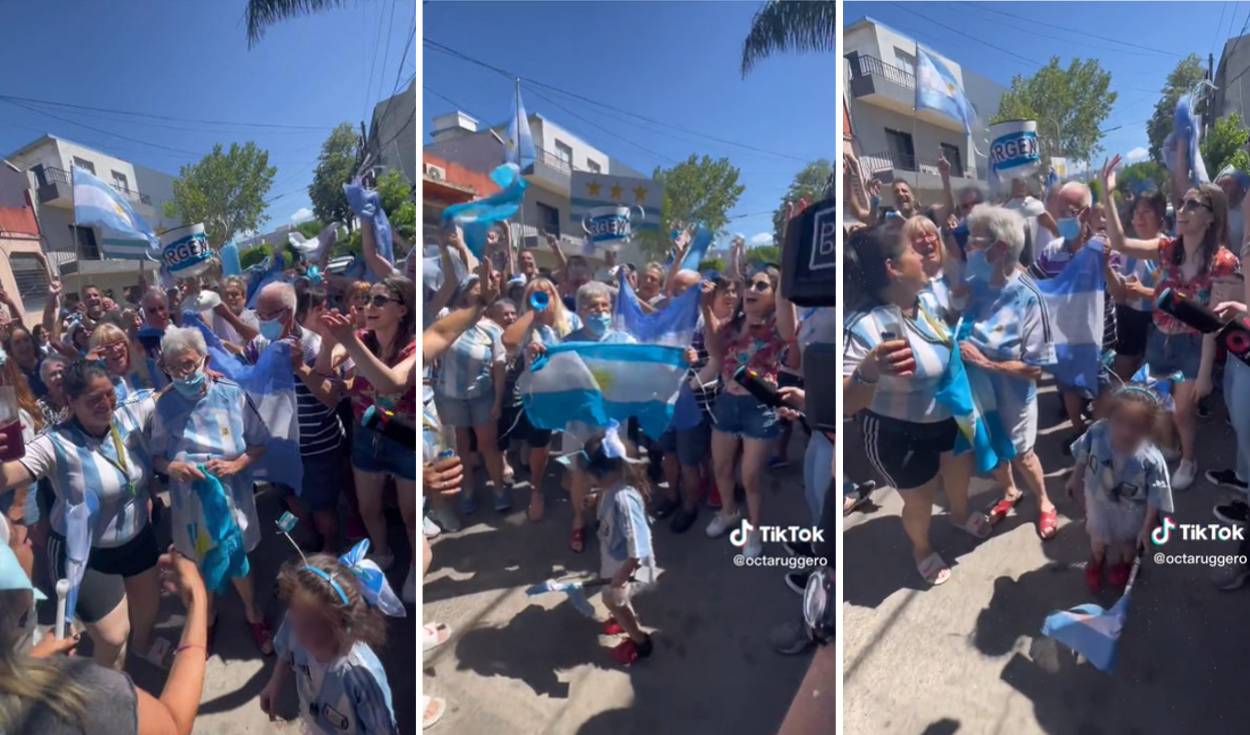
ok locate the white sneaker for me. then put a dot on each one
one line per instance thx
(1184, 475)
(755, 544)
(722, 522)
(429, 527)
(410, 587)
(384, 561)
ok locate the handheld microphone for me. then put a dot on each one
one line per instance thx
(760, 389)
(1234, 335)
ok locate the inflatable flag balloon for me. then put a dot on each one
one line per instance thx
(230, 265)
(476, 217)
(367, 204)
(1185, 130)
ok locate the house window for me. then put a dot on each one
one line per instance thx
(565, 153)
(84, 241)
(32, 280)
(548, 219)
(593, 167)
(901, 150)
(120, 183)
(85, 164)
(905, 60)
(951, 153)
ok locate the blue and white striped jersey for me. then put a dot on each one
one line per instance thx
(349, 696)
(77, 463)
(911, 398)
(1012, 323)
(1140, 478)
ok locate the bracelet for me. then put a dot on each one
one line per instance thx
(188, 646)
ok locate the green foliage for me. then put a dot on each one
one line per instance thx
(310, 229)
(1187, 73)
(712, 264)
(1142, 176)
(404, 220)
(764, 254)
(335, 166)
(1223, 141)
(696, 191)
(252, 256)
(811, 182)
(225, 190)
(1071, 103)
(394, 191)
(790, 25)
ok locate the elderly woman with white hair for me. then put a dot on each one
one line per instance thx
(206, 428)
(1010, 341)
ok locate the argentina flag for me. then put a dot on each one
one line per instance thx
(597, 382)
(937, 89)
(96, 204)
(476, 217)
(970, 398)
(520, 143)
(1075, 301)
(367, 205)
(672, 325)
(1090, 630)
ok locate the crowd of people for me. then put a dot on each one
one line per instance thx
(962, 276)
(139, 458)
(490, 319)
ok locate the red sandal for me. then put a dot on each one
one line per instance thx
(999, 510)
(577, 540)
(262, 634)
(1117, 575)
(611, 627)
(628, 652)
(1048, 524)
(1093, 575)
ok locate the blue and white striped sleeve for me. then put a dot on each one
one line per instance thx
(1036, 341)
(371, 702)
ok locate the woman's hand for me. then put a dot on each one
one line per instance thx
(888, 358)
(180, 576)
(691, 355)
(227, 467)
(183, 471)
(795, 397)
(340, 328)
(443, 476)
(1202, 389)
(536, 349)
(1230, 309)
(50, 646)
(1108, 174)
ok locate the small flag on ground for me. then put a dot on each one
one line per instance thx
(1091, 631)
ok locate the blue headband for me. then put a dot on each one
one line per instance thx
(329, 578)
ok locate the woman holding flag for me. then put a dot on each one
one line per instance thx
(896, 351)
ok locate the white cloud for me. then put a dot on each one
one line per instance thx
(1137, 154)
(763, 239)
(303, 214)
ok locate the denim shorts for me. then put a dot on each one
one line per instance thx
(745, 416)
(1170, 353)
(373, 452)
(464, 413)
(692, 446)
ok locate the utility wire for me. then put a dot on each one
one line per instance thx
(16, 98)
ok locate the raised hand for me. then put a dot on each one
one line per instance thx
(1108, 174)
(944, 166)
(338, 326)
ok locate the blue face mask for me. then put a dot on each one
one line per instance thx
(271, 329)
(1069, 228)
(191, 385)
(978, 267)
(599, 323)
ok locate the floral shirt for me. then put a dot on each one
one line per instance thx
(1223, 264)
(758, 347)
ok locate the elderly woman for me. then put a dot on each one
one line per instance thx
(206, 426)
(1011, 342)
(99, 468)
(232, 320)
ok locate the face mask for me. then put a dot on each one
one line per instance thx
(978, 267)
(599, 323)
(190, 386)
(271, 329)
(1069, 228)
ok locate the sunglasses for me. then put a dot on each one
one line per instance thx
(378, 300)
(1192, 204)
(761, 285)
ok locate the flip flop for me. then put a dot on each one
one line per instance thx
(1000, 509)
(433, 709)
(977, 526)
(1048, 524)
(434, 635)
(934, 570)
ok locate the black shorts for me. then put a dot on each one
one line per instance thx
(1132, 330)
(906, 454)
(515, 425)
(104, 582)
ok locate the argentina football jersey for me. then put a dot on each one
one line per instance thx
(911, 398)
(1012, 323)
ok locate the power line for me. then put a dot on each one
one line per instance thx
(386, 55)
(1097, 37)
(1000, 49)
(618, 136)
(1218, 26)
(88, 108)
(377, 35)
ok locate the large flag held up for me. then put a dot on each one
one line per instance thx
(672, 325)
(1074, 300)
(937, 89)
(597, 382)
(100, 205)
(476, 217)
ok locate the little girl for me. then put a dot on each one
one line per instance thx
(1125, 482)
(333, 622)
(625, 553)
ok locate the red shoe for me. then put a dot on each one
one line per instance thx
(712, 496)
(611, 627)
(628, 652)
(1093, 575)
(1117, 575)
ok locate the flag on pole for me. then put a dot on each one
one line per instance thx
(937, 89)
(1090, 630)
(96, 204)
(1074, 299)
(520, 143)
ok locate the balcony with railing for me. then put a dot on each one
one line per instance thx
(56, 186)
(872, 80)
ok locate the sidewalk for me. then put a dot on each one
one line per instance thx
(956, 658)
(534, 665)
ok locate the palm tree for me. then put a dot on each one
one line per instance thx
(263, 13)
(789, 25)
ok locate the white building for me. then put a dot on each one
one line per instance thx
(892, 139)
(557, 152)
(74, 250)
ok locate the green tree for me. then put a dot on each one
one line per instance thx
(1142, 176)
(310, 229)
(252, 256)
(764, 254)
(1069, 103)
(335, 166)
(715, 263)
(696, 191)
(404, 221)
(789, 25)
(1183, 78)
(811, 182)
(394, 190)
(225, 190)
(1223, 142)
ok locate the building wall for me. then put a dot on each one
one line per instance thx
(20, 246)
(547, 134)
(159, 186)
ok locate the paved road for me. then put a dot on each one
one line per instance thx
(955, 659)
(534, 665)
(236, 672)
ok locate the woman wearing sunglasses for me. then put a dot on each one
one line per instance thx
(926, 240)
(110, 344)
(751, 341)
(1190, 262)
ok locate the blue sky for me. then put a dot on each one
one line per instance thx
(190, 60)
(677, 63)
(1087, 30)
